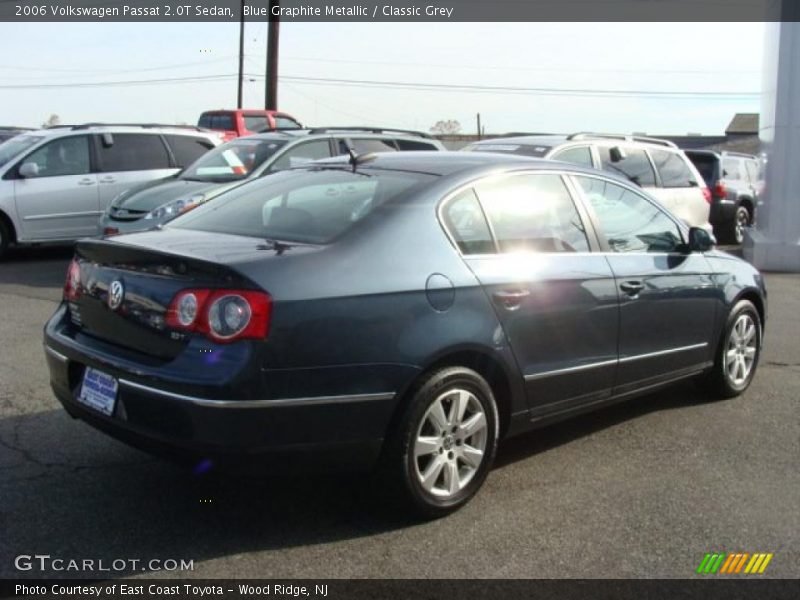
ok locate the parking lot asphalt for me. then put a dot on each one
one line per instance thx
(642, 489)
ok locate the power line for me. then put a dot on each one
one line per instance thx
(409, 85)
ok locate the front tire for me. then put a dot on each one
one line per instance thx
(741, 222)
(445, 443)
(737, 353)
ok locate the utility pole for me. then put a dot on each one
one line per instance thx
(241, 57)
(479, 126)
(271, 91)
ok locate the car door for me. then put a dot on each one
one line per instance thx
(61, 200)
(555, 299)
(128, 159)
(667, 296)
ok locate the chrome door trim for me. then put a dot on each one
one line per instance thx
(608, 363)
(278, 402)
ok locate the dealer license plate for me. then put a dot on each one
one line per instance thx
(98, 391)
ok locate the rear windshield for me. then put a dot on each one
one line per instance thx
(232, 161)
(216, 121)
(303, 205)
(16, 145)
(706, 164)
(521, 149)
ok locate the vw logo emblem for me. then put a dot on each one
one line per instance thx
(116, 293)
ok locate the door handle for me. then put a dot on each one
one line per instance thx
(632, 288)
(86, 181)
(107, 180)
(511, 299)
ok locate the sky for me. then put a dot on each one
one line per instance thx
(713, 71)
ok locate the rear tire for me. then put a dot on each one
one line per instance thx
(741, 221)
(443, 448)
(5, 238)
(737, 353)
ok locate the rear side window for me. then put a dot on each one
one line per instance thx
(731, 169)
(256, 123)
(582, 155)
(752, 170)
(634, 166)
(307, 206)
(532, 213)
(365, 146)
(216, 121)
(186, 149)
(672, 169)
(465, 221)
(406, 145)
(133, 152)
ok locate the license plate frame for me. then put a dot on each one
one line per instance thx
(99, 391)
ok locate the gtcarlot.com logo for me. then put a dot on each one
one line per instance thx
(734, 563)
(46, 562)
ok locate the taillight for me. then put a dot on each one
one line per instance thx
(72, 286)
(707, 194)
(221, 315)
(719, 190)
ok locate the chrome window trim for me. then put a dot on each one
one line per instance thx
(608, 363)
(263, 403)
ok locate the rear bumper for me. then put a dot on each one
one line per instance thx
(335, 432)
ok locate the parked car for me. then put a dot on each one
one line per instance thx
(398, 311)
(6, 133)
(56, 183)
(244, 159)
(240, 122)
(657, 166)
(735, 182)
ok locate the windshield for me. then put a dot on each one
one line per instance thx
(304, 205)
(232, 161)
(510, 148)
(16, 145)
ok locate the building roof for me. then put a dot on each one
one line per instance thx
(743, 124)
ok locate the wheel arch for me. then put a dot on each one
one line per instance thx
(483, 361)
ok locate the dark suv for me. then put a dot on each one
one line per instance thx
(735, 182)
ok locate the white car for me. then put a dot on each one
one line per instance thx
(657, 166)
(56, 183)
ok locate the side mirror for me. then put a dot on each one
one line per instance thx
(700, 240)
(617, 154)
(29, 169)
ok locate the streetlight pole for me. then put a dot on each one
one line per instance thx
(241, 57)
(271, 91)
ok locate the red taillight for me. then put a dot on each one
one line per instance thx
(221, 315)
(707, 194)
(110, 231)
(72, 286)
(719, 190)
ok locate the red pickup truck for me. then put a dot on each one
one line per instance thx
(243, 121)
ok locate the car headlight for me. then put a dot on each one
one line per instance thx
(175, 208)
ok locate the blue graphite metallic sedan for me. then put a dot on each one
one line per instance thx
(401, 312)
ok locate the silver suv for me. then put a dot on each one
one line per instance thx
(655, 165)
(245, 159)
(56, 183)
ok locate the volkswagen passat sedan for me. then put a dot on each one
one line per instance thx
(406, 311)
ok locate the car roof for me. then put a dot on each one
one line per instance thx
(450, 162)
(286, 134)
(526, 140)
(62, 130)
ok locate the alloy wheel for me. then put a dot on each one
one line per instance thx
(450, 444)
(742, 221)
(740, 353)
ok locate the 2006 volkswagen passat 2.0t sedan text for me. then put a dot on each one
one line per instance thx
(401, 312)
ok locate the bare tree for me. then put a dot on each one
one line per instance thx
(448, 127)
(52, 121)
